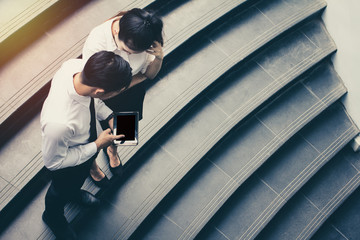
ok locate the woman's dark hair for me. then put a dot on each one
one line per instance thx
(108, 71)
(140, 28)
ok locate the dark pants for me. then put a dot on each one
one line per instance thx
(130, 100)
(65, 186)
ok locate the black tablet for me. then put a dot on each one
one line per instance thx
(126, 123)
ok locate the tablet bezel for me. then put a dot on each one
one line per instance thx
(127, 142)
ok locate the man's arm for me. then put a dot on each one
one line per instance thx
(56, 150)
(58, 154)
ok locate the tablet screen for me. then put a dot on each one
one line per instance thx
(125, 124)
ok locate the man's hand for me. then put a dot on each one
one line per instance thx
(106, 138)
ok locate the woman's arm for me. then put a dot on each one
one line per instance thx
(155, 66)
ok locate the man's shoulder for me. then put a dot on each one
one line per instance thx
(58, 100)
(55, 109)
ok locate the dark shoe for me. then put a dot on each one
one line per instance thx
(59, 226)
(102, 183)
(117, 171)
(87, 199)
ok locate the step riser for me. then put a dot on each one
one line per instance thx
(284, 186)
(258, 160)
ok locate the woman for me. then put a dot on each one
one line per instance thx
(135, 35)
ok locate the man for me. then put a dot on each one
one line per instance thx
(68, 124)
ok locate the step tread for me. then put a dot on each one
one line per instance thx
(276, 181)
(19, 86)
(31, 133)
(242, 53)
(20, 13)
(193, 207)
(186, 87)
(317, 200)
(204, 125)
(156, 114)
(344, 223)
(23, 89)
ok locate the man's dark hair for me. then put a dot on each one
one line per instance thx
(108, 71)
(140, 28)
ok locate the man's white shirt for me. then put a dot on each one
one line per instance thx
(65, 120)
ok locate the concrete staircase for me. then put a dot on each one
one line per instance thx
(243, 134)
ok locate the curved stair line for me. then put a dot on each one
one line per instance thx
(319, 198)
(194, 27)
(330, 207)
(41, 79)
(17, 22)
(243, 135)
(197, 153)
(296, 183)
(272, 190)
(47, 74)
(216, 202)
(151, 127)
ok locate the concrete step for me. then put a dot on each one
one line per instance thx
(29, 157)
(344, 223)
(20, 152)
(183, 88)
(178, 95)
(317, 200)
(25, 78)
(23, 22)
(179, 147)
(20, 13)
(223, 49)
(189, 207)
(257, 201)
(30, 88)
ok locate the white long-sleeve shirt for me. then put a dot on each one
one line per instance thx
(101, 38)
(65, 120)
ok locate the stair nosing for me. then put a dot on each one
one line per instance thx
(205, 80)
(6, 29)
(288, 192)
(330, 207)
(184, 168)
(263, 154)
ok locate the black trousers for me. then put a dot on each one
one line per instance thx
(130, 100)
(65, 186)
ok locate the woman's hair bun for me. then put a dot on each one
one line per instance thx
(139, 28)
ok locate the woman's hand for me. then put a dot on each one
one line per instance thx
(156, 50)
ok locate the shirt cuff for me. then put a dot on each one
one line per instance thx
(90, 150)
(109, 117)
